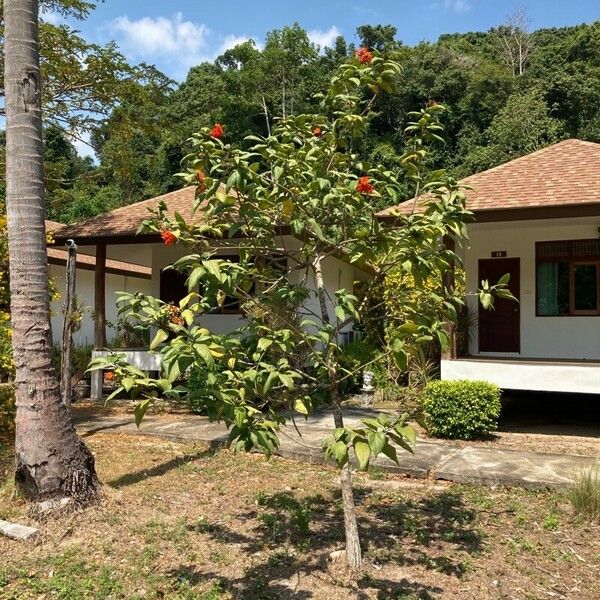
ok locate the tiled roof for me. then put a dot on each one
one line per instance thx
(566, 173)
(125, 221)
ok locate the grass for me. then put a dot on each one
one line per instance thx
(180, 522)
(585, 493)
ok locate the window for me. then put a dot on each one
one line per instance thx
(567, 278)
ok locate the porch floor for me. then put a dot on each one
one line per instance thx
(528, 374)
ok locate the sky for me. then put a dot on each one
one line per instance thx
(177, 34)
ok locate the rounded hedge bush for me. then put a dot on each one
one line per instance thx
(461, 409)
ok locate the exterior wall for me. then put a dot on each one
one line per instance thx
(85, 292)
(336, 274)
(568, 337)
(579, 378)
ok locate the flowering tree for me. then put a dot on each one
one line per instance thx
(292, 202)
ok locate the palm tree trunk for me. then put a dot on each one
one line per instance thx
(353, 551)
(51, 461)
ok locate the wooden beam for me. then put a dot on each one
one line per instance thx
(100, 298)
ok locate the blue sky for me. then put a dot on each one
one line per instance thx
(177, 34)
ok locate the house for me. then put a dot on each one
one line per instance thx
(120, 276)
(538, 218)
(113, 237)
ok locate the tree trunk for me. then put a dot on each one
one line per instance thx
(353, 551)
(51, 461)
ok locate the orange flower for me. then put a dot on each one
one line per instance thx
(109, 376)
(364, 56)
(317, 131)
(364, 186)
(168, 237)
(201, 179)
(217, 131)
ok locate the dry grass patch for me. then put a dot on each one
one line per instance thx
(181, 522)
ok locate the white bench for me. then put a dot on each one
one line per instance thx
(145, 360)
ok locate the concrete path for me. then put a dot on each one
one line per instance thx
(433, 459)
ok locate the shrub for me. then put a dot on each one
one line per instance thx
(7, 366)
(461, 409)
(80, 357)
(7, 409)
(585, 492)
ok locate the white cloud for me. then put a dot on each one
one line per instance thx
(459, 6)
(231, 41)
(49, 16)
(324, 38)
(161, 35)
(82, 145)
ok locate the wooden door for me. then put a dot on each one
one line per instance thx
(499, 328)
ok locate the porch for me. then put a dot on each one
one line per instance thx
(527, 374)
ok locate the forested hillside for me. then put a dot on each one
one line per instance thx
(494, 112)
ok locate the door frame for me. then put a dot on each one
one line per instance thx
(517, 262)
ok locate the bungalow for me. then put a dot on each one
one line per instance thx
(538, 218)
(113, 237)
(121, 276)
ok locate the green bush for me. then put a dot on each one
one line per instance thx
(7, 409)
(585, 493)
(461, 409)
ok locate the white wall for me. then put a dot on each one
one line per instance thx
(85, 292)
(570, 337)
(336, 274)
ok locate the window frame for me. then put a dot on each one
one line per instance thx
(573, 261)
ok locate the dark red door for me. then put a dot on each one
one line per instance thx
(499, 327)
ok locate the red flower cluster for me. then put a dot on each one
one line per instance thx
(168, 237)
(201, 179)
(317, 131)
(109, 376)
(364, 186)
(217, 131)
(175, 317)
(364, 56)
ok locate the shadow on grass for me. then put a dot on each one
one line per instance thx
(159, 470)
(292, 539)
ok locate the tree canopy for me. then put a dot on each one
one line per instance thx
(139, 120)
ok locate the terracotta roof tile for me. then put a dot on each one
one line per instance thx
(125, 221)
(566, 173)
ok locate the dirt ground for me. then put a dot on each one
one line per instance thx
(180, 522)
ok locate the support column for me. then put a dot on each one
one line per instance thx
(449, 283)
(99, 316)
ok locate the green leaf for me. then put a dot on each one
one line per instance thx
(363, 454)
(140, 410)
(287, 380)
(339, 450)
(204, 352)
(408, 432)
(300, 407)
(389, 451)
(127, 383)
(377, 441)
(264, 343)
(159, 338)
